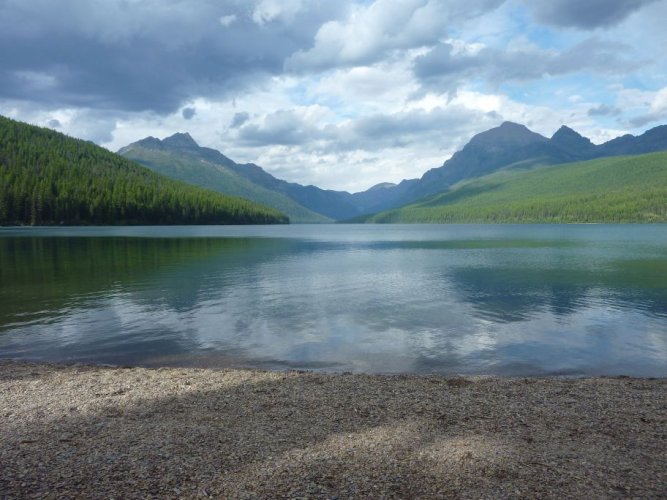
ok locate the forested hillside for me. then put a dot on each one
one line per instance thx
(509, 144)
(616, 189)
(49, 178)
(180, 157)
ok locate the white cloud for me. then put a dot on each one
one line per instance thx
(657, 109)
(372, 31)
(659, 103)
(338, 94)
(228, 20)
(267, 11)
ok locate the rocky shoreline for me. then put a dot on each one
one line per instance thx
(103, 432)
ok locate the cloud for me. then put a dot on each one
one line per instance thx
(309, 129)
(268, 11)
(449, 65)
(302, 145)
(188, 113)
(603, 110)
(372, 31)
(340, 94)
(92, 125)
(404, 128)
(150, 55)
(282, 127)
(657, 110)
(587, 14)
(228, 20)
(54, 123)
(239, 119)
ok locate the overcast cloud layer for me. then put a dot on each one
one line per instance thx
(341, 94)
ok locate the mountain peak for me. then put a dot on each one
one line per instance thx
(512, 125)
(382, 185)
(508, 134)
(650, 141)
(181, 140)
(148, 142)
(565, 131)
(572, 140)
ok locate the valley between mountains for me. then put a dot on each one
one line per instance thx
(507, 174)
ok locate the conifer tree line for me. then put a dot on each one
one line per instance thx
(48, 178)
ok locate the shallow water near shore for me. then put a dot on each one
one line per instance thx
(467, 299)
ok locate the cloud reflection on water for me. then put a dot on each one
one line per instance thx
(485, 305)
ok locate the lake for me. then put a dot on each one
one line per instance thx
(450, 299)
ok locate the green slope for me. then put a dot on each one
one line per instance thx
(617, 189)
(49, 178)
(189, 167)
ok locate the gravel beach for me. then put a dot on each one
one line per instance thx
(103, 432)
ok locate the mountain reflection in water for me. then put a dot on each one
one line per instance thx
(448, 299)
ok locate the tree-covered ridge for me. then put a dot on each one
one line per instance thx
(209, 168)
(49, 178)
(180, 157)
(616, 189)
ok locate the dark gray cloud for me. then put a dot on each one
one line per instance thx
(604, 110)
(239, 119)
(54, 123)
(584, 14)
(446, 68)
(93, 125)
(283, 127)
(188, 113)
(149, 55)
(642, 120)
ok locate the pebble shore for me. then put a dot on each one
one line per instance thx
(72, 431)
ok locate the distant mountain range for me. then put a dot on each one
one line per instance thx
(610, 189)
(180, 157)
(509, 146)
(507, 173)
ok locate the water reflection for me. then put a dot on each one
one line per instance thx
(487, 302)
(514, 291)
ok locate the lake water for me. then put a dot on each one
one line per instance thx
(467, 299)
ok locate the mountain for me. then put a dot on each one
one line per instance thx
(49, 178)
(332, 204)
(501, 146)
(511, 146)
(572, 144)
(180, 157)
(611, 189)
(650, 141)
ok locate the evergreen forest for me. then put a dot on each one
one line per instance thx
(48, 178)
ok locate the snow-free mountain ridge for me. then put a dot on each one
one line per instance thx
(508, 146)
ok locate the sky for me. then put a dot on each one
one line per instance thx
(341, 94)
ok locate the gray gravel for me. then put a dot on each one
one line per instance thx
(100, 432)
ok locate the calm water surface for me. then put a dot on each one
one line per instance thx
(489, 299)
